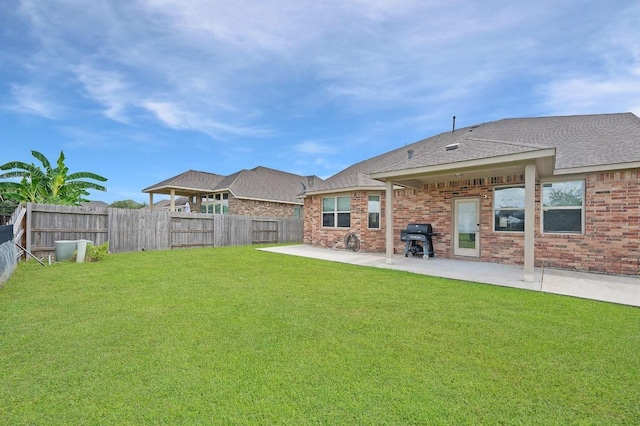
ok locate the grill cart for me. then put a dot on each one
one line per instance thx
(418, 240)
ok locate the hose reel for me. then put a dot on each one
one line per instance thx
(352, 242)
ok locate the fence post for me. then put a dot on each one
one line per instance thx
(28, 227)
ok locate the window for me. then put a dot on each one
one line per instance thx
(297, 212)
(374, 211)
(221, 204)
(206, 204)
(563, 207)
(336, 212)
(508, 209)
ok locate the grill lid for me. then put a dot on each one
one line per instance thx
(419, 228)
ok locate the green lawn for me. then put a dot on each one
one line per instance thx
(239, 336)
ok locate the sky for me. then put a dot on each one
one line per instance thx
(139, 91)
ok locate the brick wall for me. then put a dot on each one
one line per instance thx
(612, 223)
(611, 242)
(260, 208)
(371, 240)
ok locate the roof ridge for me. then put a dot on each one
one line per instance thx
(229, 180)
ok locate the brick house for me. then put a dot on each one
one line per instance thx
(561, 192)
(257, 192)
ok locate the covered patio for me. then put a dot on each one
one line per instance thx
(191, 184)
(530, 162)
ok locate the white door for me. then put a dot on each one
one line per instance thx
(466, 227)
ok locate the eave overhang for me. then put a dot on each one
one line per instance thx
(597, 168)
(380, 188)
(179, 190)
(414, 177)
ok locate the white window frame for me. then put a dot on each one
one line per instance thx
(495, 208)
(336, 213)
(545, 209)
(371, 211)
(206, 204)
(221, 203)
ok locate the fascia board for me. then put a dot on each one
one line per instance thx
(598, 168)
(349, 189)
(268, 201)
(157, 189)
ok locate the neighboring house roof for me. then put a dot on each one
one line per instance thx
(186, 183)
(165, 204)
(260, 183)
(570, 144)
(95, 204)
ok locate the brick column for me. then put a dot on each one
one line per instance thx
(388, 211)
(529, 220)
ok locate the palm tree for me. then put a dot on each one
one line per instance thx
(47, 185)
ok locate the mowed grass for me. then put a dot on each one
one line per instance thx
(239, 336)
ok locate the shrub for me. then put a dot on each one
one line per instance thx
(96, 253)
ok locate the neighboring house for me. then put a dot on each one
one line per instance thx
(257, 192)
(560, 192)
(95, 205)
(179, 204)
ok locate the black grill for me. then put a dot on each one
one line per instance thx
(418, 239)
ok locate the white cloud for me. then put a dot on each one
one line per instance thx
(609, 84)
(176, 117)
(166, 113)
(225, 69)
(588, 95)
(107, 88)
(32, 100)
(313, 147)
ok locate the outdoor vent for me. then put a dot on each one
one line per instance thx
(452, 146)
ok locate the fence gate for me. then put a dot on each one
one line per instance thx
(264, 231)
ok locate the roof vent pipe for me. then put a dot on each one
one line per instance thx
(409, 154)
(453, 129)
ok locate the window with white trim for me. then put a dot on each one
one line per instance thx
(336, 212)
(206, 204)
(221, 203)
(374, 212)
(563, 207)
(508, 209)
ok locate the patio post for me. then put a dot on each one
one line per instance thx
(150, 201)
(529, 222)
(388, 211)
(172, 203)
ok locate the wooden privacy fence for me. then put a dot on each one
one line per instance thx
(134, 230)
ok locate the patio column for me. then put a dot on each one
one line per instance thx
(172, 203)
(150, 201)
(197, 204)
(388, 211)
(529, 222)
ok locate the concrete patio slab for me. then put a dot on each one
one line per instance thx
(608, 288)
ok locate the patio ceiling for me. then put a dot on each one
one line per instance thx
(481, 168)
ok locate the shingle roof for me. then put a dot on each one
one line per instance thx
(266, 184)
(191, 180)
(260, 183)
(579, 141)
(179, 201)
